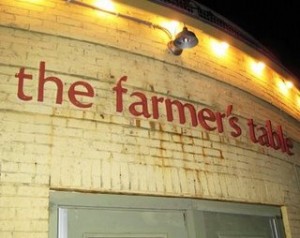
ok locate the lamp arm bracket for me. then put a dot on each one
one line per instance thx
(147, 23)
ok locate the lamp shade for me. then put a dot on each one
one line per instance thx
(185, 39)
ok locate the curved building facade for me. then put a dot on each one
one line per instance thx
(106, 133)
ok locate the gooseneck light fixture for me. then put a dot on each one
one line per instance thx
(131, 18)
(183, 40)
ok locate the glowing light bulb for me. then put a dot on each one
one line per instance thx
(105, 5)
(219, 48)
(282, 87)
(258, 67)
(289, 84)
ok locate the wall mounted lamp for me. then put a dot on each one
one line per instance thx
(183, 40)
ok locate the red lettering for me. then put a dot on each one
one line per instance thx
(251, 130)
(22, 76)
(281, 139)
(142, 103)
(268, 137)
(275, 140)
(219, 118)
(120, 90)
(237, 129)
(180, 106)
(289, 145)
(263, 139)
(155, 100)
(43, 80)
(206, 115)
(72, 93)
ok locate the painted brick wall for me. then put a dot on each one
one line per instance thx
(44, 145)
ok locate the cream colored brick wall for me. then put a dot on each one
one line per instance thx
(48, 146)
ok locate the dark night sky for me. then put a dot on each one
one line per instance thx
(275, 24)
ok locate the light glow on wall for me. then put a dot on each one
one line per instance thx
(219, 48)
(289, 84)
(34, 1)
(258, 68)
(172, 26)
(283, 88)
(106, 5)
